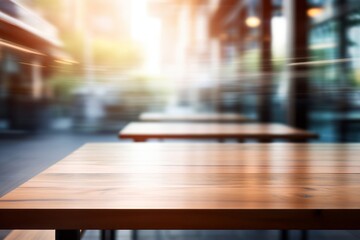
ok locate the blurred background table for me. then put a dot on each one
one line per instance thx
(142, 131)
(193, 117)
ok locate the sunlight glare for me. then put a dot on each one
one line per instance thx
(146, 31)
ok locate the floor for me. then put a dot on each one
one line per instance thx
(227, 235)
(23, 155)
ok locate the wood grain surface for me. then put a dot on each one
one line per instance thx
(31, 235)
(192, 186)
(141, 131)
(193, 117)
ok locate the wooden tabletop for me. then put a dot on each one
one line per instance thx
(192, 186)
(141, 131)
(193, 117)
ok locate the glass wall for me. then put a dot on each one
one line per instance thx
(333, 45)
(21, 97)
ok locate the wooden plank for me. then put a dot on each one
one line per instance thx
(128, 186)
(193, 117)
(141, 131)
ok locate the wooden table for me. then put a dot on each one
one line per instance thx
(191, 186)
(142, 131)
(193, 117)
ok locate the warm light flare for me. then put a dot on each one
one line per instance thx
(20, 48)
(315, 12)
(253, 22)
(66, 62)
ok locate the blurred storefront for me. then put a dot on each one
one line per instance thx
(28, 48)
(292, 61)
(285, 61)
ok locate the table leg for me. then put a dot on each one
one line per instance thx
(67, 234)
(304, 235)
(134, 235)
(108, 235)
(113, 234)
(284, 234)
